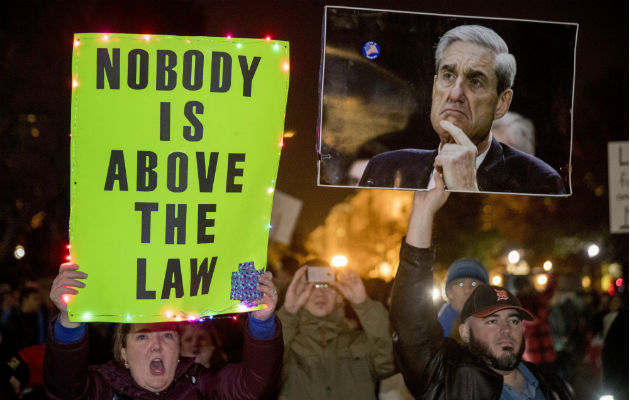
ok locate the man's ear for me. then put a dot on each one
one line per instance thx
(464, 332)
(503, 105)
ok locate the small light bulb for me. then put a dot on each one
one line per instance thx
(105, 37)
(66, 298)
(239, 45)
(286, 66)
(146, 37)
(229, 36)
(77, 42)
(268, 38)
(270, 190)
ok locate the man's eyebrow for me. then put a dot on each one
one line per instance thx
(448, 67)
(475, 73)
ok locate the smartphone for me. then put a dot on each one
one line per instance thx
(320, 274)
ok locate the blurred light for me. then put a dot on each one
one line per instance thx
(128, 317)
(286, 66)
(146, 37)
(169, 314)
(607, 397)
(281, 144)
(75, 83)
(547, 265)
(514, 257)
(497, 280)
(187, 40)
(268, 38)
(339, 261)
(385, 269)
(105, 37)
(87, 315)
(586, 282)
(68, 257)
(66, 298)
(239, 45)
(288, 134)
(77, 42)
(593, 250)
(229, 36)
(435, 293)
(542, 279)
(270, 190)
(68, 246)
(31, 118)
(37, 219)
(19, 252)
(619, 282)
(234, 318)
(268, 226)
(35, 132)
(192, 317)
(276, 46)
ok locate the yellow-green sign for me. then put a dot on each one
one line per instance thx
(174, 155)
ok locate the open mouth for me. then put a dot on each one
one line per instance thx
(157, 367)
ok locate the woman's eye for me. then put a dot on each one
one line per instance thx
(141, 337)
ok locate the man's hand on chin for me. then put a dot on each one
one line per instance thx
(456, 161)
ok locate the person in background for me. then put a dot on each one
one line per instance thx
(201, 341)
(517, 131)
(463, 276)
(327, 356)
(539, 348)
(147, 362)
(25, 325)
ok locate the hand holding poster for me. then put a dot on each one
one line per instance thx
(174, 154)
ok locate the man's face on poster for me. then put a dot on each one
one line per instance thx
(465, 92)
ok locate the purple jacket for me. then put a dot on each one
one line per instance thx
(67, 375)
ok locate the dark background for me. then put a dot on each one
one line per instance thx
(35, 76)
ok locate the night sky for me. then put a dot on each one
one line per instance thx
(35, 51)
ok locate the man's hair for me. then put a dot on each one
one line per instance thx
(504, 62)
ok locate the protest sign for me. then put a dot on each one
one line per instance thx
(380, 107)
(174, 154)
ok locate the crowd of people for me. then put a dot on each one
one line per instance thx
(344, 338)
(323, 340)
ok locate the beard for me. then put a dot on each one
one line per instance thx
(507, 362)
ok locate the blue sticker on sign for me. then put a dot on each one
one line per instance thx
(371, 50)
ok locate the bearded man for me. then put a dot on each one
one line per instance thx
(488, 365)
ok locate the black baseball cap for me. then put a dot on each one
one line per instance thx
(486, 300)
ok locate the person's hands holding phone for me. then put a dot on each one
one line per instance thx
(298, 292)
(350, 285)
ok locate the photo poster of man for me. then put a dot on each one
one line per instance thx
(380, 112)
